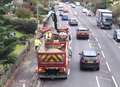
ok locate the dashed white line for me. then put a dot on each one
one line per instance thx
(98, 84)
(24, 85)
(99, 45)
(96, 39)
(116, 85)
(108, 66)
(103, 54)
(89, 44)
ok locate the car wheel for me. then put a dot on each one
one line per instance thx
(81, 68)
(98, 68)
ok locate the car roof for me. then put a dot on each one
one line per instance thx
(89, 52)
(83, 29)
(104, 10)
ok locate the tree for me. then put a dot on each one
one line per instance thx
(23, 13)
(3, 2)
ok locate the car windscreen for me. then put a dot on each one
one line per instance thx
(89, 53)
(107, 17)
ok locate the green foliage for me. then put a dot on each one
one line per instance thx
(3, 2)
(23, 13)
(23, 25)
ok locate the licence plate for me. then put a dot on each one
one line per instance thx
(89, 61)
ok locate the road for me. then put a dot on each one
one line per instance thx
(101, 40)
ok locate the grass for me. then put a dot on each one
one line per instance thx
(19, 34)
(17, 49)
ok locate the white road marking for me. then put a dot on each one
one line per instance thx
(99, 45)
(98, 84)
(93, 34)
(116, 85)
(96, 39)
(103, 54)
(38, 85)
(118, 47)
(108, 66)
(24, 85)
(89, 44)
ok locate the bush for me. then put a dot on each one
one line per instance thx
(23, 13)
(26, 26)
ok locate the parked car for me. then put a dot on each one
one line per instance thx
(90, 59)
(116, 35)
(82, 33)
(73, 22)
(64, 17)
(89, 13)
(60, 8)
(84, 10)
(73, 5)
(65, 10)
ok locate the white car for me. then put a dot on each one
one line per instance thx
(84, 10)
(89, 13)
(72, 5)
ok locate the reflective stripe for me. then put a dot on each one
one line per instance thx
(52, 58)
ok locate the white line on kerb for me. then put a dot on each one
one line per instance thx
(103, 54)
(108, 66)
(99, 45)
(98, 84)
(116, 85)
(118, 47)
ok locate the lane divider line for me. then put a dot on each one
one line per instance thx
(96, 39)
(108, 66)
(116, 85)
(89, 44)
(103, 54)
(98, 84)
(99, 45)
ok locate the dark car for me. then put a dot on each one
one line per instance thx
(116, 35)
(82, 33)
(73, 22)
(64, 17)
(89, 59)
